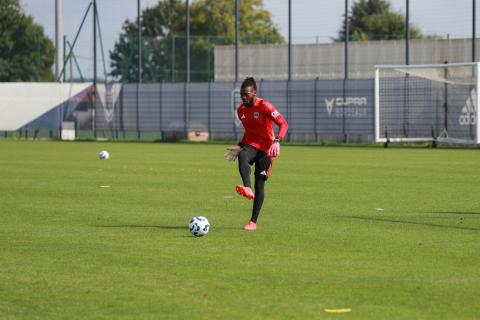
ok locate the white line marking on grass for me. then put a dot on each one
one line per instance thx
(342, 310)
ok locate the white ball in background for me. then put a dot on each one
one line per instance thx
(104, 155)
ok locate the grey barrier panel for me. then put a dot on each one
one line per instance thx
(198, 104)
(345, 107)
(128, 108)
(330, 113)
(302, 106)
(173, 102)
(149, 107)
(222, 106)
(359, 113)
(329, 107)
(315, 109)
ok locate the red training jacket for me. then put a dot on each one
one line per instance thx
(257, 122)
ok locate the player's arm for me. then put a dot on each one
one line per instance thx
(278, 119)
(282, 131)
(282, 127)
(233, 151)
(282, 124)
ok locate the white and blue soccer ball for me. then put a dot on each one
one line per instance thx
(199, 226)
(104, 155)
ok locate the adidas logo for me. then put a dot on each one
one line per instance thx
(243, 116)
(467, 116)
(263, 173)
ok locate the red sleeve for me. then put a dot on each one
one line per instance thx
(279, 120)
(282, 126)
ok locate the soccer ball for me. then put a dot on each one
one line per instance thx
(199, 226)
(104, 155)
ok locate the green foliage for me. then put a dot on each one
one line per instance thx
(26, 54)
(212, 22)
(374, 20)
(72, 249)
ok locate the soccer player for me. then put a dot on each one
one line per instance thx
(258, 146)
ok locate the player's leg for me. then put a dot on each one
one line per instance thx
(245, 159)
(259, 197)
(263, 167)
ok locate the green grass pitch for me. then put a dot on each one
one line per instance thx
(389, 233)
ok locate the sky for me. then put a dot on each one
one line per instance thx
(313, 20)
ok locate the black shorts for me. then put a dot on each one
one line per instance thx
(263, 162)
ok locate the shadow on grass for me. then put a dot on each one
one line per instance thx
(142, 226)
(158, 227)
(185, 233)
(454, 212)
(411, 222)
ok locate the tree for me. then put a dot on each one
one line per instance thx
(212, 22)
(374, 20)
(26, 54)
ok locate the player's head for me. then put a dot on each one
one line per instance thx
(248, 91)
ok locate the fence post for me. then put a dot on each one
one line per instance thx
(185, 107)
(347, 31)
(474, 30)
(288, 107)
(209, 112)
(208, 59)
(289, 40)
(160, 111)
(187, 36)
(237, 30)
(234, 108)
(173, 58)
(407, 33)
(315, 107)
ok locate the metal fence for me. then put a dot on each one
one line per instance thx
(316, 110)
(300, 22)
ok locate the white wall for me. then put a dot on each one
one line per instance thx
(22, 102)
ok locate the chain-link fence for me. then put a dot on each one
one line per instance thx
(164, 85)
(316, 110)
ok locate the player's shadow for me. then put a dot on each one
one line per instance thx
(184, 229)
(171, 227)
(142, 226)
(410, 222)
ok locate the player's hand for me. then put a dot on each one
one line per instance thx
(274, 149)
(232, 153)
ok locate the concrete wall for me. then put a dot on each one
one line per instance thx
(326, 61)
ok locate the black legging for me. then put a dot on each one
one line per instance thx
(246, 157)
(259, 197)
